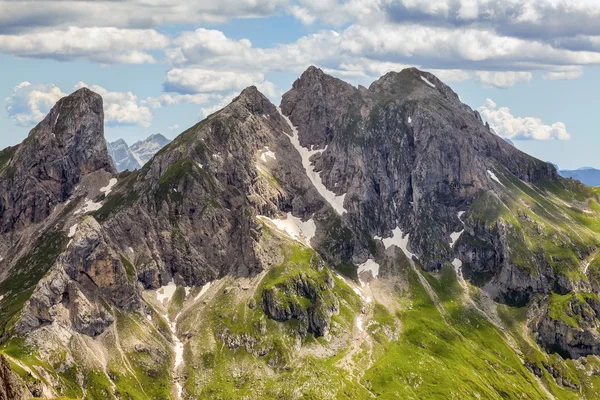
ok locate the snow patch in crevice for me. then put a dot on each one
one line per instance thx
(108, 188)
(90, 205)
(164, 296)
(494, 177)
(267, 153)
(1, 297)
(295, 227)
(427, 81)
(202, 291)
(398, 239)
(359, 323)
(166, 293)
(409, 120)
(454, 236)
(366, 267)
(336, 201)
(72, 230)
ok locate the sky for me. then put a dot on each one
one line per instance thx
(530, 67)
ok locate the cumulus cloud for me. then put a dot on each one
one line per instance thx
(225, 100)
(198, 80)
(121, 108)
(199, 85)
(173, 127)
(29, 103)
(102, 45)
(516, 128)
(503, 80)
(20, 16)
(165, 100)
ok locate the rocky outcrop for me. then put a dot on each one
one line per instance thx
(11, 387)
(569, 325)
(303, 298)
(45, 169)
(84, 282)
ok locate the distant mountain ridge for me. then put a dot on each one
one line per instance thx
(587, 175)
(135, 156)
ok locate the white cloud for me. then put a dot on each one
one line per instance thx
(29, 103)
(174, 127)
(165, 100)
(28, 15)
(102, 45)
(199, 80)
(508, 126)
(121, 108)
(225, 100)
(565, 73)
(503, 80)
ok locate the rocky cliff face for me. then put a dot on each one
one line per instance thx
(45, 169)
(11, 387)
(233, 237)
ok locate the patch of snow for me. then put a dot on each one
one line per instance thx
(267, 153)
(149, 317)
(72, 230)
(409, 120)
(202, 291)
(295, 227)
(69, 243)
(90, 205)
(427, 81)
(187, 290)
(108, 188)
(337, 202)
(166, 293)
(358, 291)
(398, 239)
(130, 249)
(368, 266)
(454, 237)
(200, 165)
(1, 297)
(494, 177)
(457, 263)
(175, 190)
(359, 323)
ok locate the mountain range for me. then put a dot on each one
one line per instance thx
(351, 243)
(588, 175)
(134, 157)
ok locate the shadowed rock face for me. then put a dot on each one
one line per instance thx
(405, 151)
(11, 387)
(45, 169)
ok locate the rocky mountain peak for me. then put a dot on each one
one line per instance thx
(254, 101)
(45, 169)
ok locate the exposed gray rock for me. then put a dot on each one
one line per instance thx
(45, 169)
(571, 328)
(11, 387)
(281, 303)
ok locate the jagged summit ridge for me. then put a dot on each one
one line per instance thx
(352, 216)
(44, 170)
